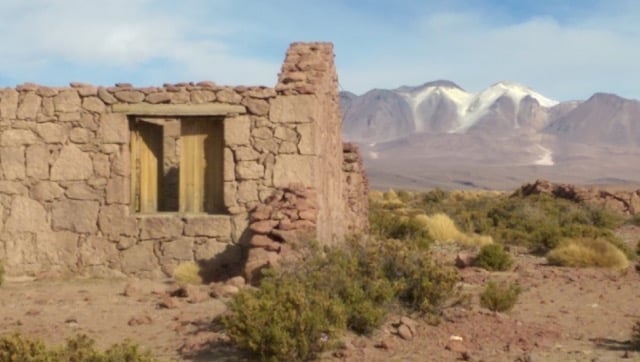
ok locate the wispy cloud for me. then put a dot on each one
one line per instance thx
(565, 49)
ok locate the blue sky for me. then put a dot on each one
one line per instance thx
(565, 49)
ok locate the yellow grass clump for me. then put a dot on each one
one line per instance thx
(442, 228)
(187, 273)
(588, 252)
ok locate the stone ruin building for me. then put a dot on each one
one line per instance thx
(120, 180)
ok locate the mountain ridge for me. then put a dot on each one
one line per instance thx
(508, 127)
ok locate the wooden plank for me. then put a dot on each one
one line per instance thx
(201, 166)
(150, 160)
(208, 109)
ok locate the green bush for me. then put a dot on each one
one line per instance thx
(77, 349)
(299, 309)
(493, 257)
(499, 297)
(386, 224)
(283, 320)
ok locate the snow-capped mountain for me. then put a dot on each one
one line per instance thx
(438, 134)
(441, 107)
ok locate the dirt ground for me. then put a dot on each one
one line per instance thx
(563, 314)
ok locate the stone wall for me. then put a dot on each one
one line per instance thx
(356, 191)
(66, 170)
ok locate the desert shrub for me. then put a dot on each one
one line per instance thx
(493, 257)
(422, 284)
(187, 273)
(588, 252)
(442, 228)
(634, 220)
(500, 297)
(385, 224)
(300, 308)
(1, 272)
(284, 320)
(79, 348)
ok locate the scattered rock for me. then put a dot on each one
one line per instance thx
(132, 289)
(140, 320)
(193, 293)
(168, 302)
(465, 259)
(386, 343)
(237, 281)
(405, 332)
(220, 290)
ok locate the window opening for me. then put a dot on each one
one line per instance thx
(177, 165)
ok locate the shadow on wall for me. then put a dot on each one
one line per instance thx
(227, 264)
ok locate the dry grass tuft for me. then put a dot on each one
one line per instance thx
(588, 252)
(442, 228)
(187, 273)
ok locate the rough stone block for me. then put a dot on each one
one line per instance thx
(82, 191)
(72, 165)
(52, 133)
(29, 106)
(57, 249)
(211, 226)
(259, 107)
(113, 128)
(46, 191)
(160, 227)
(26, 215)
(159, 97)
(81, 135)
(307, 144)
(140, 260)
(93, 104)
(118, 190)
(237, 130)
(247, 191)
(67, 101)
(249, 170)
(75, 215)
(178, 249)
(13, 188)
(96, 250)
(101, 165)
(246, 154)
(13, 162)
(38, 162)
(228, 96)
(21, 255)
(9, 103)
(294, 109)
(17, 137)
(286, 134)
(113, 220)
(202, 96)
(129, 96)
(294, 169)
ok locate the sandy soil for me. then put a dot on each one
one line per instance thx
(563, 314)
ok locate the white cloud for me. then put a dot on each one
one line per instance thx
(562, 59)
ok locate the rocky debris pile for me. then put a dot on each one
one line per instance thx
(625, 202)
(286, 219)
